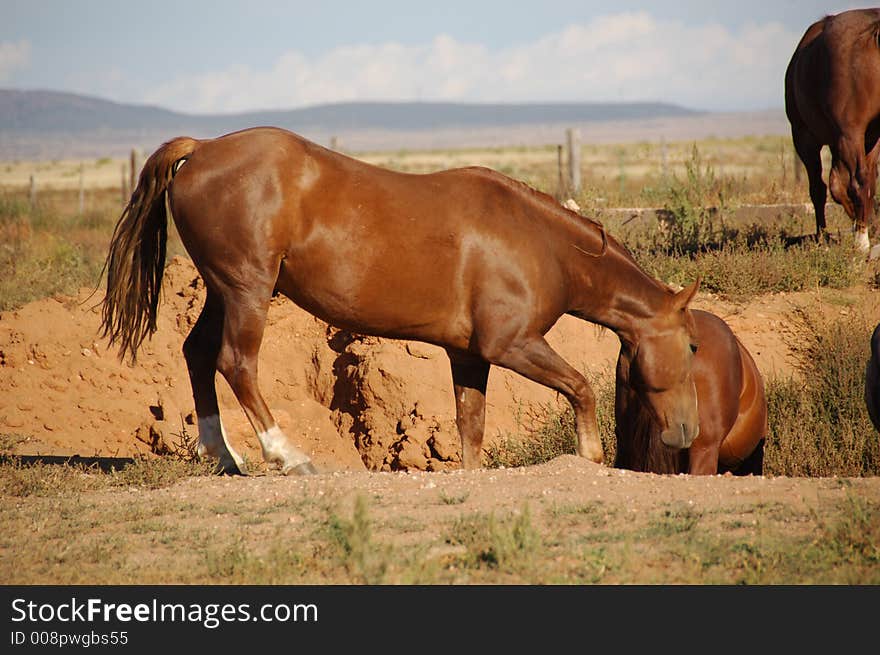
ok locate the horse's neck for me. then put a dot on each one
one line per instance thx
(613, 290)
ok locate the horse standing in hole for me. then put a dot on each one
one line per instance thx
(466, 259)
(732, 410)
(832, 97)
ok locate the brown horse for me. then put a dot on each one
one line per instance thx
(832, 97)
(732, 410)
(467, 259)
(872, 380)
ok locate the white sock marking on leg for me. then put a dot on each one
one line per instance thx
(862, 241)
(213, 441)
(278, 448)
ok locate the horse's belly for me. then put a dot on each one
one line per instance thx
(356, 295)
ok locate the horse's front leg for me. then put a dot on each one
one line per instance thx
(703, 456)
(533, 358)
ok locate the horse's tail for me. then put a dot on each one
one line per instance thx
(136, 259)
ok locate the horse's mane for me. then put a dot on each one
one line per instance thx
(638, 443)
(550, 205)
(874, 30)
(543, 200)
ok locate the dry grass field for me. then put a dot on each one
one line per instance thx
(761, 168)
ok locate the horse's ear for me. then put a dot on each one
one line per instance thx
(683, 298)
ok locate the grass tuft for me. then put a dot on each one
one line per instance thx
(819, 425)
(510, 543)
(20, 479)
(366, 561)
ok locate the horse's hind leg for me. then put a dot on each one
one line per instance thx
(851, 180)
(536, 360)
(810, 154)
(200, 349)
(469, 377)
(244, 318)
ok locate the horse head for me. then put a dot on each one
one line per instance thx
(656, 367)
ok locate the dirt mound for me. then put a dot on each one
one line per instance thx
(352, 402)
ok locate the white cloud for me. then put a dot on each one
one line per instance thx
(13, 56)
(626, 56)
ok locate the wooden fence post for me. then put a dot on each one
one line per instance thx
(124, 184)
(573, 139)
(82, 191)
(134, 170)
(32, 193)
(560, 182)
(663, 166)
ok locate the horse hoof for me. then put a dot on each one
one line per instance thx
(231, 468)
(592, 454)
(306, 468)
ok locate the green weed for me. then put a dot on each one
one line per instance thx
(366, 561)
(508, 544)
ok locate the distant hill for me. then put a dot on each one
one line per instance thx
(66, 112)
(56, 125)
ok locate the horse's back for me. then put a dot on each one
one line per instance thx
(833, 77)
(847, 35)
(851, 39)
(324, 182)
(431, 257)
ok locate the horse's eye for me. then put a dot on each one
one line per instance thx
(694, 348)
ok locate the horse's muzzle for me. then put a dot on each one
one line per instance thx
(680, 435)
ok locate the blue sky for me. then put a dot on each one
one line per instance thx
(225, 56)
